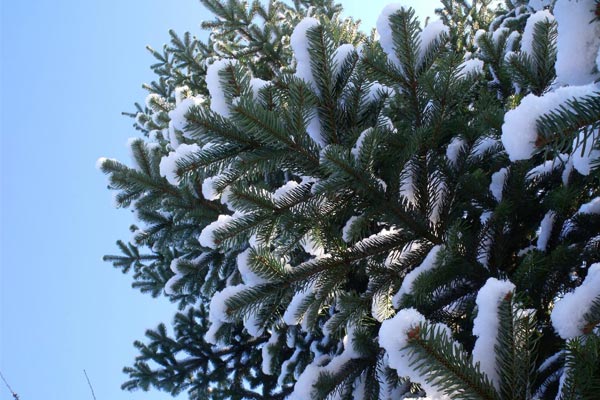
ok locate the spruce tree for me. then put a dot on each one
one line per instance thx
(372, 217)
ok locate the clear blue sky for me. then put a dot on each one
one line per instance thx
(68, 68)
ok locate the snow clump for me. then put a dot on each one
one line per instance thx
(300, 46)
(168, 164)
(394, 336)
(569, 312)
(527, 40)
(218, 102)
(408, 281)
(577, 42)
(519, 131)
(487, 323)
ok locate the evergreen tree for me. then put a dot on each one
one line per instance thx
(345, 216)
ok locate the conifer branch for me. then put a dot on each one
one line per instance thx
(446, 366)
(333, 191)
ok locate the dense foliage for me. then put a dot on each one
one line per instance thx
(414, 213)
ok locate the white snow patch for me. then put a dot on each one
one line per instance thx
(468, 67)
(395, 256)
(483, 253)
(283, 190)
(356, 149)
(303, 389)
(180, 94)
(547, 167)
(393, 337)
(226, 198)
(499, 33)
(206, 237)
(593, 207)
(497, 185)
(440, 195)
(545, 230)
(267, 358)
(170, 284)
(567, 171)
(577, 42)
(314, 129)
(217, 314)
(519, 131)
(291, 316)
(482, 145)
(252, 325)
(172, 136)
(527, 40)
(174, 266)
(479, 34)
(340, 56)
(312, 247)
(154, 135)
(539, 4)
(429, 34)
(376, 89)
(168, 164)
(218, 102)
(153, 146)
(347, 227)
(151, 100)
(550, 360)
(408, 281)
(249, 277)
(256, 84)
(381, 306)
(255, 242)
(359, 388)
(454, 148)
(178, 114)
(300, 46)
(290, 339)
(308, 179)
(486, 325)
(407, 189)
(100, 162)
(208, 190)
(385, 31)
(510, 42)
(525, 251)
(285, 365)
(568, 313)
(584, 154)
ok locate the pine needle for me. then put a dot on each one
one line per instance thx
(14, 395)
(89, 384)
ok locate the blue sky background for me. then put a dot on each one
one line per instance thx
(68, 69)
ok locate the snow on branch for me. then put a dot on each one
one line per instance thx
(487, 324)
(568, 315)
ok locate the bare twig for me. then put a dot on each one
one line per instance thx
(89, 384)
(14, 395)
